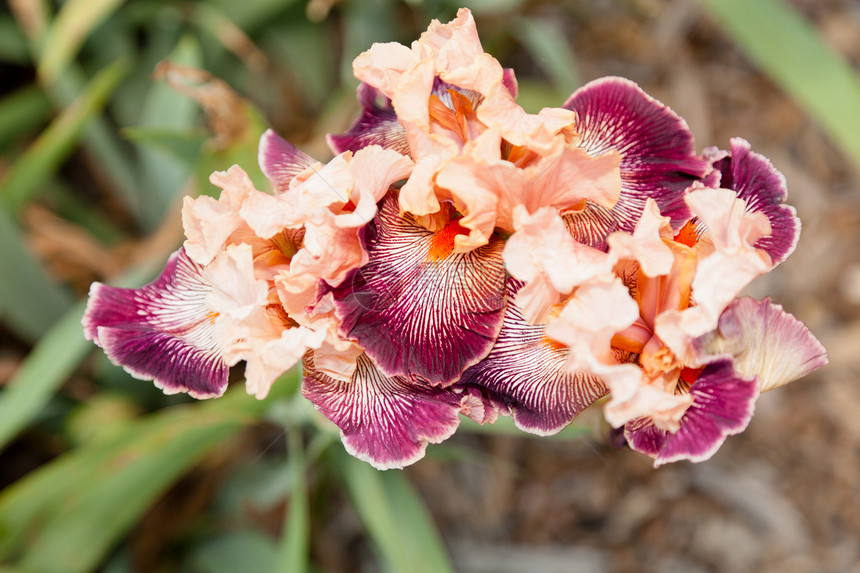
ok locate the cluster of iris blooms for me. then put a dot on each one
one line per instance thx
(459, 256)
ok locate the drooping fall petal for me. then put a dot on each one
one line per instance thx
(764, 341)
(384, 420)
(658, 157)
(723, 403)
(417, 307)
(526, 371)
(163, 331)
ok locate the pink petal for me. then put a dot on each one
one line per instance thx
(544, 255)
(209, 222)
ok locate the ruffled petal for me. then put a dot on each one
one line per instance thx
(417, 307)
(280, 160)
(731, 232)
(646, 245)
(589, 320)
(209, 222)
(758, 182)
(163, 331)
(764, 341)
(543, 254)
(723, 403)
(386, 421)
(526, 372)
(656, 146)
(377, 125)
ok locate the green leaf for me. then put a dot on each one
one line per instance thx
(396, 518)
(30, 300)
(183, 144)
(790, 50)
(42, 159)
(295, 538)
(43, 371)
(233, 552)
(22, 111)
(13, 44)
(162, 175)
(550, 49)
(66, 33)
(505, 426)
(74, 509)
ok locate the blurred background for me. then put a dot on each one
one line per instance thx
(111, 111)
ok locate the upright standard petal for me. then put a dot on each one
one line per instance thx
(209, 222)
(163, 331)
(764, 341)
(417, 307)
(755, 180)
(723, 404)
(280, 160)
(656, 146)
(384, 420)
(526, 372)
(543, 254)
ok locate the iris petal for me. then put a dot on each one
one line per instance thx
(723, 403)
(418, 309)
(280, 160)
(757, 182)
(656, 146)
(526, 372)
(162, 331)
(386, 421)
(764, 340)
(377, 125)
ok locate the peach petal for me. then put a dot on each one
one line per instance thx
(646, 245)
(208, 222)
(544, 255)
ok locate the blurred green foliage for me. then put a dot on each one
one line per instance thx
(89, 134)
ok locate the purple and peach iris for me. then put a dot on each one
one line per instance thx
(461, 256)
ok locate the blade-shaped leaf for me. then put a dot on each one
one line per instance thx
(30, 301)
(46, 154)
(66, 33)
(789, 49)
(396, 517)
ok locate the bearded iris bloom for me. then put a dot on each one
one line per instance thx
(460, 256)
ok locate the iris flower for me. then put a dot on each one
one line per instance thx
(460, 256)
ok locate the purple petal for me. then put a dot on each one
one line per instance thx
(280, 160)
(386, 421)
(416, 315)
(377, 125)
(162, 331)
(723, 403)
(526, 372)
(764, 341)
(757, 182)
(656, 146)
